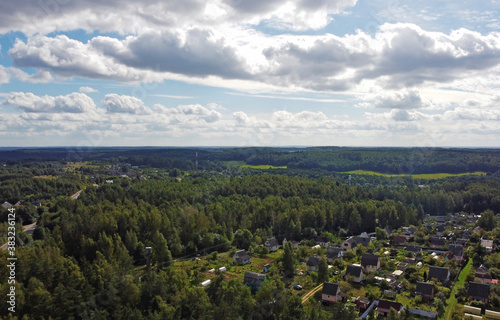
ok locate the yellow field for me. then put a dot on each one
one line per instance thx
(262, 166)
(428, 176)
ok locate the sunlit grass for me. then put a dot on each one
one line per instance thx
(428, 176)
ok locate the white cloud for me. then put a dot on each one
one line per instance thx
(404, 99)
(398, 56)
(4, 75)
(71, 103)
(42, 76)
(32, 16)
(115, 103)
(87, 90)
(188, 113)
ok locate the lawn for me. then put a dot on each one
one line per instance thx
(262, 166)
(428, 176)
(452, 300)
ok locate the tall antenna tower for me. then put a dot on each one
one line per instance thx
(196, 161)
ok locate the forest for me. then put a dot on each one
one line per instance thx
(86, 257)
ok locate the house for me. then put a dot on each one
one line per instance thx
(272, 244)
(413, 249)
(370, 262)
(426, 290)
(402, 266)
(36, 203)
(313, 263)
(242, 258)
(462, 242)
(482, 275)
(334, 253)
(322, 241)
(440, 274)
(363, 239)
(353, 271)
(7, 205)
(266, 268)
(331, 292)
(384, 307)
(466, 234)
(350, 244)
(488, 244)
(399, 239)
(295, 244)
(437, 242)
(440, 227)
(396, 286)
(362, 304)
(19, 203)
(479, 292)
(254, 280)
(409, 231)
(457, 251)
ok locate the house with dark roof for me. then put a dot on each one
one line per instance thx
(409, 231)
(313, 263)
(370, 262)
(322, 241)
(242, 258)
(482, 275)
(479, 292)
(466, 234)
(331, 292)
(437, 242)
(295, 244)
(440, 274)
(384, 307)
(399, 239)
(254, 280)
(272, 244)
(362, 304)
(462, 242)
(364, 240)
(413, 249)
(334, 253)
(457, 251)
(356, 272)
(350, 244)
(426, 290)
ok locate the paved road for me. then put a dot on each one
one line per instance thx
(76, 195)
(29, 228)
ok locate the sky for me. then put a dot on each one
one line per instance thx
(250, 73)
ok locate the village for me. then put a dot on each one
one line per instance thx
(442, 269)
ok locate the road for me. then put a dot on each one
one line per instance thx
(76, 195)
(311, 293)
(29, 228)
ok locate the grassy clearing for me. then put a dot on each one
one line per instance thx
(428, 176)
(452, 300)
(262, 166)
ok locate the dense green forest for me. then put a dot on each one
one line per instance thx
(332, 159)
(86, 257)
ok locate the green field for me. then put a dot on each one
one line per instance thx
(428, 176)
(262, 166)
(451, 302)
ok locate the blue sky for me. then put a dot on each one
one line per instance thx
(250, 73)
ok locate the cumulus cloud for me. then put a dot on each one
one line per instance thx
(71, 103)
(32, 16)
(4, 75)
(87, 90)
(405, 99)
(398, 56)
(115, 103)
(42, 76)
(187, 113)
